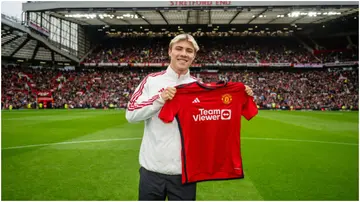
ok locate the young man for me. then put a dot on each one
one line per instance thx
(160, 151)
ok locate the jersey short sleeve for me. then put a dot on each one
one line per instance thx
(169, 110)
(249, 109)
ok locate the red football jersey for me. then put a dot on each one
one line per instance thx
(209, 118)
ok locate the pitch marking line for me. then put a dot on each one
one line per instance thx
(298, 140)
(73, 142)
(127, 139)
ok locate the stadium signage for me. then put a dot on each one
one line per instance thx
(69, 68)
(38, 28)
(219, 64)
(249, 64)
(210, 70)
(280, 64)
(200, 3)
(239, 64)
(44, 94)
(339, 64)
(264, 64)
(308, 65)
(106, 64)
(146, 64)
(252, 64)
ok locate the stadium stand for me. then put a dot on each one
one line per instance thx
(288, 69)
(100, 88)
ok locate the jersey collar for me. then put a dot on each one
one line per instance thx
(212, 86)
(175, 76)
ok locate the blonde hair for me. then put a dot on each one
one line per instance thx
(186, 37)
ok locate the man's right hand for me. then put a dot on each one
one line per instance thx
(168, 93)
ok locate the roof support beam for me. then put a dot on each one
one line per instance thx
(19, 47)
(209, 16)
(6, 34)
(317, 20)
(127, 22)
(187, 16)
(197, 16)
(233, 18)
(106, 23)
(53, 57)
(11, 40)
(35, 51)
(262, 12)
(142, 17)
(163, 17)
(276, 18)
(41, 19)
(299, 18)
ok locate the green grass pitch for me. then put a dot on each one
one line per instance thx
(93, 155)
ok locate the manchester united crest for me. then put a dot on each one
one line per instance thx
(227, 98)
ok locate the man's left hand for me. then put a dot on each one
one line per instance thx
(249, 91)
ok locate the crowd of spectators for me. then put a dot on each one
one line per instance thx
(106, 88)
(306, 90)
(217, 50)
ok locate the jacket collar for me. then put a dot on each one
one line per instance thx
(176, 76)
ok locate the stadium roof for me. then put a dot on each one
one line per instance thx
(195, 12)
(21, 44)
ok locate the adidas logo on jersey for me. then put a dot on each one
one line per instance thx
(196, 100)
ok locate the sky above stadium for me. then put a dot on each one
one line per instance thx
(12, 8)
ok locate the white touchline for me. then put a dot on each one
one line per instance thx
(298, 140)
(126, 139)
(73, 142)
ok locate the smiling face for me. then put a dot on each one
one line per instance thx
(182, 54)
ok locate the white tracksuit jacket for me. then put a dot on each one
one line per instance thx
(160, 149)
